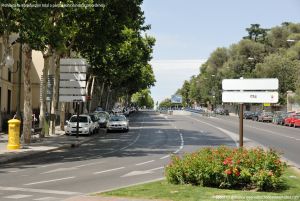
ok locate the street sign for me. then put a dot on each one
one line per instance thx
(72, 80)
(72, 76)
(67, 98)
(249, 97)
(176, 99)
(250, 84)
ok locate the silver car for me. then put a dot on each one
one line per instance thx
(86, 125)
(117, 122)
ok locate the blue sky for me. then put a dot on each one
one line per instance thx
(188, 31)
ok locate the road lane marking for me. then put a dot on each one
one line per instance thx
(46, 198)
(232, 135)
(274, 133)
(181, 144)
(32, 190)
(70, 168)
(88, 164)
(167, 156)
(19, 196)
(141, 172)
(145, 162)
(110, 170)
(51, 165)
(47, 181)
(285, 136)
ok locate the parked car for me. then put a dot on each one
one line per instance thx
(248, 115)
(95, 119)
(86, 125)
(117, 122)
(290, 119)
(279, 117)
(255, 116)
(297, 121)
(265, 117)
(103, 118)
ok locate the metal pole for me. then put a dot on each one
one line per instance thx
(241, 130)
(77, 127)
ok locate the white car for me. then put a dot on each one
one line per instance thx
(117, 122)
(86, 125)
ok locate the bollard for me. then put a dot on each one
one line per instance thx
(13, 134)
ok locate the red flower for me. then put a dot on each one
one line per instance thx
(228, 172)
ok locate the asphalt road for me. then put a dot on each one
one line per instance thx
(120, 159)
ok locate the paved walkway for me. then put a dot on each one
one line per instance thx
(38, 146)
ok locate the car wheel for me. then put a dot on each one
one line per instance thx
(67, 134)
(107, 131)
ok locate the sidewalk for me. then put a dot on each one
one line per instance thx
(51, 143)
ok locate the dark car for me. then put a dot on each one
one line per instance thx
(248, 115)
(255, 116)
(279, 117)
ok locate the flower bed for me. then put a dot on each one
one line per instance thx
(226, 167)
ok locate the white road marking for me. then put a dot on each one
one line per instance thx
(233, 136)
(274, 133)
(110, 170)
(145, 162)
(88, 164)
(18, 196)
(71, 168)
(2, 188)
(47, 181)
(46, 198)
(58, 170)
(181, 144)
(136, 173)
(50, 165)
(167, 156)
(14, 171)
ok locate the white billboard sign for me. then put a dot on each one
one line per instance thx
(250, 84)
(71, 98)
(73, 84)
(73, 76)
(249, 97)
(72, 80)
(72, 91)
(176, 99)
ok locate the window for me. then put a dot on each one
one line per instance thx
(9, 75)
(8, 100)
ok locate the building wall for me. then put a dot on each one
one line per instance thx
(13, 85)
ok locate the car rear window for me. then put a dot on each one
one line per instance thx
(81, 119)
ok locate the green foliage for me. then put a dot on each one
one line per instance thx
(264, 53)
(226, 167)
(143, 98)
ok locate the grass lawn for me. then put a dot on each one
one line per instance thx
(163, 190)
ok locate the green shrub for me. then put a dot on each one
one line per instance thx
(226, 167)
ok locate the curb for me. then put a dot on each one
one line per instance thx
(29, 154)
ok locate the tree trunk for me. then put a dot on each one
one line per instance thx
(27, 123)
(87, 93)
(54, 101)
(101, 93)
(91, 94)
(43, 107)
(107, 98)
(5, 41)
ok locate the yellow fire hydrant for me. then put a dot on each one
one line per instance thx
(13, 134)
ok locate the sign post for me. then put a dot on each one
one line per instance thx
(73, 83)
(249, 91)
